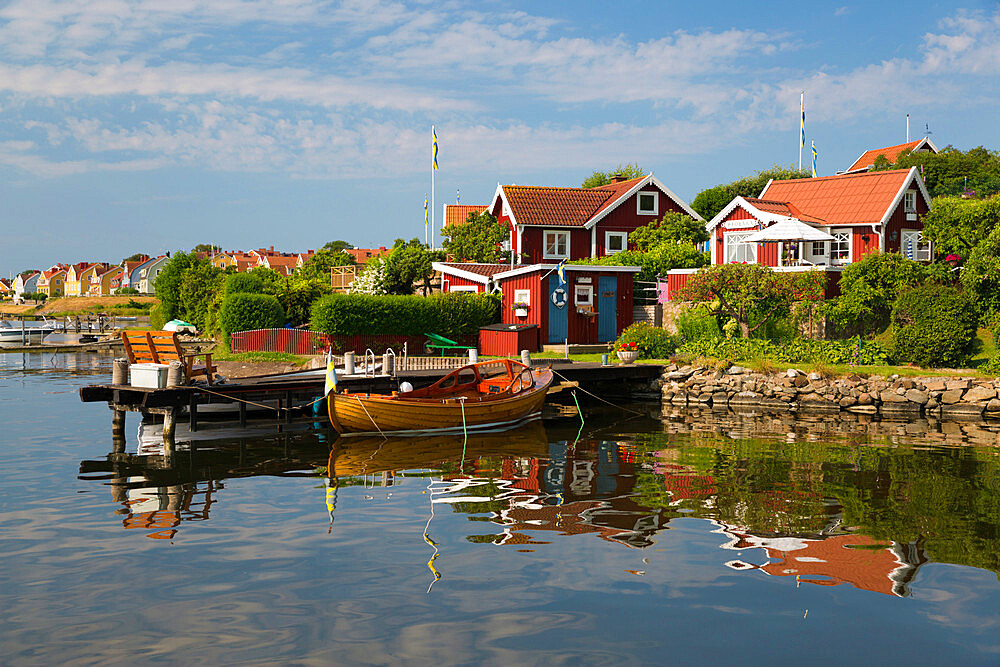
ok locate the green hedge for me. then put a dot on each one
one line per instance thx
(244, 283)
(450, 315)
(795, 351)
(652, 342)
(243, 312)
(933, 325)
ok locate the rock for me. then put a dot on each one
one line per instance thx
(935, 385)
(931, 404)
(957, 384)
(736, 370)
(951, 396)
(993, 405)
(791, 372)
(916, 396)
(864, 398)
(704, 398)
(890, 396)
(848, 401)
(980, 393)
(680, 374)
(801, 381)
(908, 384)
(720, 398)
(863, 409)
(961, 411)
(815, 376)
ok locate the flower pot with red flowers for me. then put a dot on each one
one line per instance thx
(627, 352)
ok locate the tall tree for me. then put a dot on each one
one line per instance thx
(672, 227)
(626, 171)
(337, 246)
(710, 201)
(409, 263)
(958, 225)
(318, 267)
(205, 247)
(952, 172)
(478, 240)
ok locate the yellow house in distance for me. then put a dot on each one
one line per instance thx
(52, 281)
(78, 278)
(101, 281)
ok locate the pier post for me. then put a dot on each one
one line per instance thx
(169, 446)
(193, 412)
(243, 414)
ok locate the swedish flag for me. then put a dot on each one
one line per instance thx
(434, 135)
(815, 153)
(802, 138)
(425, 211)
(331, 375)
(561, 272)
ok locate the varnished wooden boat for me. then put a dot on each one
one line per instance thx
(484, 395)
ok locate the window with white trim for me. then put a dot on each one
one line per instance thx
(738, 250)
(584, 295)
(647, 203)
(522, 296)
(615, 242)
(910, 201)
(462, 288)
(913, 246)
(819, 248)
(840, 246)
(556, 245)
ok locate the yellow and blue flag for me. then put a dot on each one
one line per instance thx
(331, 375)
(425, 211)
(434, 135)
(802, 137)
(561, 272)
(815, 153)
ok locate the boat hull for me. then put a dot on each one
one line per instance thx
(367, 413)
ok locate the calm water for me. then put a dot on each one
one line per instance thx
(678, 538)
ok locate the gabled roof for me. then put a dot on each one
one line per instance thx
(891, 153)
(866, 198)
(542, 206)
(456, 214)
(480, 273)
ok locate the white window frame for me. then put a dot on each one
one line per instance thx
(585, 291)
(656, 203)
(910, 201)
(834, 259)
(734, 241)
(462, 288)
(545, 244)
(921, 251)
(822, 251)
(522, 296)
(607, 242)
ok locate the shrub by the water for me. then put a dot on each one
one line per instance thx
(244, 312)
(652, 342)
(450, 315)
(794, 351)
(933, 325)
(156, 317)
(697, 323)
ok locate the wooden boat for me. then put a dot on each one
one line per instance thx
(489, 394)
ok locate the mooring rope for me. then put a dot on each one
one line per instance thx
(604, 400)
(370, 417)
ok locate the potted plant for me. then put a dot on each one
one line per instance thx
(627, 352)
(520, 308)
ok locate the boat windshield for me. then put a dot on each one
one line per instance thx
(492, 370)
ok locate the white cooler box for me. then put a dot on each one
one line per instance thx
(148, 376)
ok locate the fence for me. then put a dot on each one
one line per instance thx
(298, 341)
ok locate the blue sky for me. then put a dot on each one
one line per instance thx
(145, 125)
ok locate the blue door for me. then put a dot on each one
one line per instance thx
(607, 309)
(558, 310)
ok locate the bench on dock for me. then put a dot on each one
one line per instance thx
(436, 342)
(162, 347)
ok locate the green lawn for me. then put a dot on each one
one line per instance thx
(275, 357)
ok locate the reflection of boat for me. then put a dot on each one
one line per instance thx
(371, 454)
(484, 395)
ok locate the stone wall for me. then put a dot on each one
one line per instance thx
(796, 390)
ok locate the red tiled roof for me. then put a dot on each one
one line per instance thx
(571, 207)
(488, 270)
(362, 255)
(617, 189)
(781, 208)
(456, 214)
(890, 152)
(840, 200)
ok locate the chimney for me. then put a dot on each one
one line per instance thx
(618, 178)
(272, 248)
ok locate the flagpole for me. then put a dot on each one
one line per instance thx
(433, 210)
(802, 130)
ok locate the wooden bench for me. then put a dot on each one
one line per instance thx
(434, 341)
(162, 347)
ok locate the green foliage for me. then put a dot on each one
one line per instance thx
(869, 287)
(409, 263)
(35, 296)
(672, 227)
(372, 279)
(958, 225)
(244, 283)
(205, 247)
(933, 325)
(794, 351)
(712, 200)
(698, 323)
(657, 262)
(450, 315)
(137, 257)
(478, 240)
(329, 256)
(752, 294)
(190, 289)
(126, 291)
(168, 283)
(652, 343)
(952, 172)
(337, 246)
(625, 171)
(245, 312)
(297, 296)
(156, 317)
(981, 276)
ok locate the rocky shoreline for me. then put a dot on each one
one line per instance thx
(796, 390)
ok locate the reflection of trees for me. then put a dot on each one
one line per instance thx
(944, 499)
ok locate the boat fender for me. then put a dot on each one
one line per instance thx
(405, 387)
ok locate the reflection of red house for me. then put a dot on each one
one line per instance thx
(854, 559)
(162, 512)
(684, 484)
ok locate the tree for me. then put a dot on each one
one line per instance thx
(933, 325)
(981, 276)
(410, 262)
(337, 246)
(752, 294)
(951, 171)
(958, 225)
(204, 247)
(318, 267)
(870, 286)
(656, 262)
(137, 257)
(168, 284)
(672, 227)
(712, 200)
(372, 279)
(478, 240)
(625, 171)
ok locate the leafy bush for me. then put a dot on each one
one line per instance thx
(244, 312)
(869, 287)
(156, 317)
(698, 323)
(658, 261)
(127, 291)
(244, 283)
(797, 350)
(450, 315)
(981, 275)
(933, 325)
(652, 342)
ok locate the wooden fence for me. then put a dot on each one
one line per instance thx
(298, 341)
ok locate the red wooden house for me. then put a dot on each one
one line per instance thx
(861, 212)
(867, 159)
(552, 224)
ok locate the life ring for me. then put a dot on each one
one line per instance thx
(559, 297)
